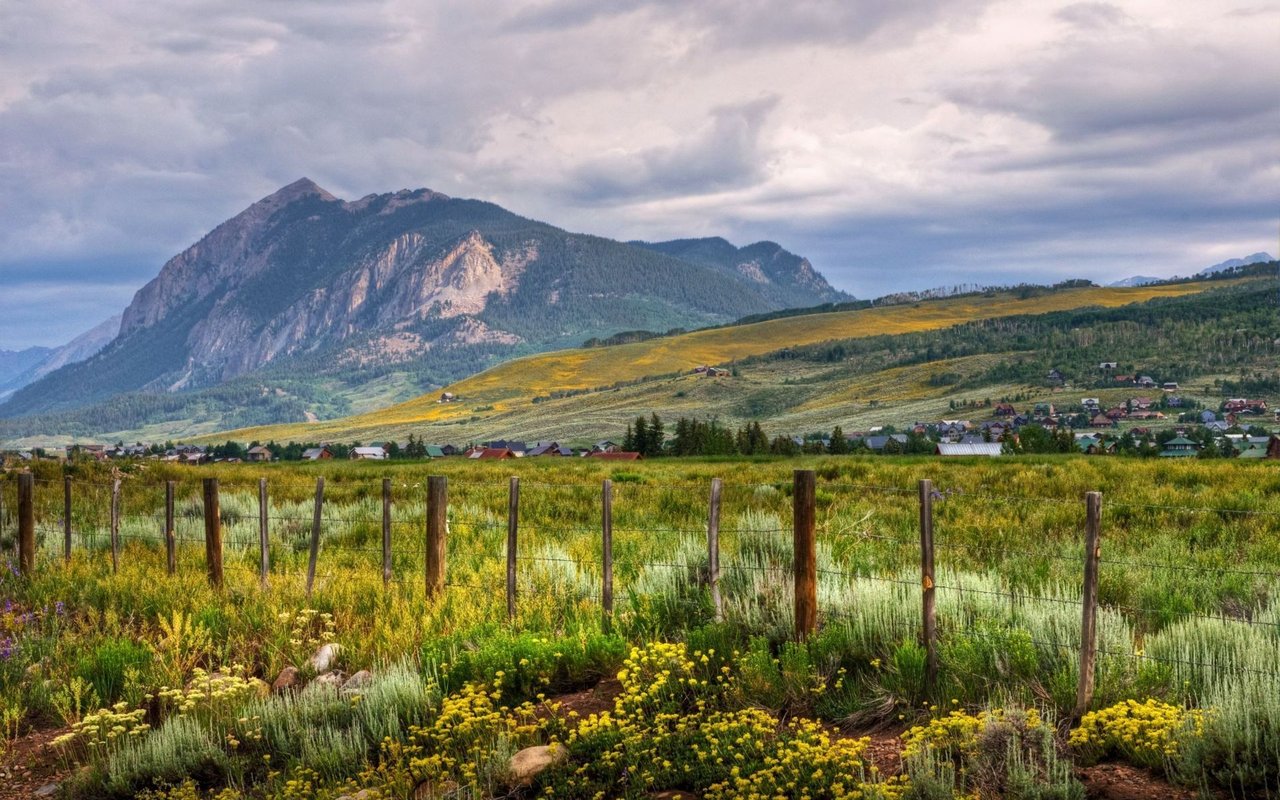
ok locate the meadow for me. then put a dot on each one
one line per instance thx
(160, 680)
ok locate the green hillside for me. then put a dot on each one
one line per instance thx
(853, 368)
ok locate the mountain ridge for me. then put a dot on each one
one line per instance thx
(307, 285)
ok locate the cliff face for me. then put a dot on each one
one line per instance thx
(400, 278)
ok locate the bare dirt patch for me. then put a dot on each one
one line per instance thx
(30, 763)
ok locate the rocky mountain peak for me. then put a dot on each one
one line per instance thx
(302, 187)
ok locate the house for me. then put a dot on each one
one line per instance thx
(605, 447)
(1089, 403)
(1119, 412)
(195, 458)
(1146, 381)
(447, 397)
(1043, 410)
(1102, 421)
(1169, 386)
(434, 451)
(990, 449)
(517, 449)
(877, 443)
(1005, 410)
(1251, 451)
(995, 430)
(1173, 401)
(549, 449)
(1108, 365)
(972, 438)
(1146, 413)
(1123, 379)
(615, 455)
(316, 454)
(490, 453)
(1207, 416)
(1089, 445)
(1180, 447)
(716, 372)
(369, 453)
(260, 453)
(1055, 377)
(1219, 426)
(1140, 402)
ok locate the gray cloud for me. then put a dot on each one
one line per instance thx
(898, 145)
(724, 153)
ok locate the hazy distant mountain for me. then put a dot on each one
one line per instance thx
(1143, 280)
(15, 364)
(328, 295)
(1235, 262)
(19, 368)
(1137, 280)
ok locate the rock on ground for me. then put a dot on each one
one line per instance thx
(288, 679)
(529, 762)
(325, 657)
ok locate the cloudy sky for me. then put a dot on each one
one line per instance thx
(897, 143)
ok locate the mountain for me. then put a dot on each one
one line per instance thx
(1232, 263)
(17, 369)
(308, 297)
(15, 365)
(786, 278)
(1137, 280)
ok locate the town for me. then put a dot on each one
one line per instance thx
(1164, 426)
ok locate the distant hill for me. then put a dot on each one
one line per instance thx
(1232, 263)
(306, 305)
(1137, 280)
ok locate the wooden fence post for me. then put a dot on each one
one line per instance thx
(929, 607)
(170, 538)
(713, 548)
(513, 529)
(26, 523)
(264, 543)
(1089, 602)
(66, 519)
(213, 532)
(437, 519)
(386, 531)
(315, 537)
(804, 507)
(115, 525)
(606, 554)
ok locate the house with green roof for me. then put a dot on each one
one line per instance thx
(1181, 447)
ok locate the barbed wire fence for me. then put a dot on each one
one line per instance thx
(439, 536)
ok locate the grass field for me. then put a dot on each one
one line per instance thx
(499, 401)
(1188, 631)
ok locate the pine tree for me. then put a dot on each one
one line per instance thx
(656, 436)
(640, 441)
(839, 445)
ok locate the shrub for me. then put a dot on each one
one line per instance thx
(109, 664)
(1002, 752)
(1151, 733)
